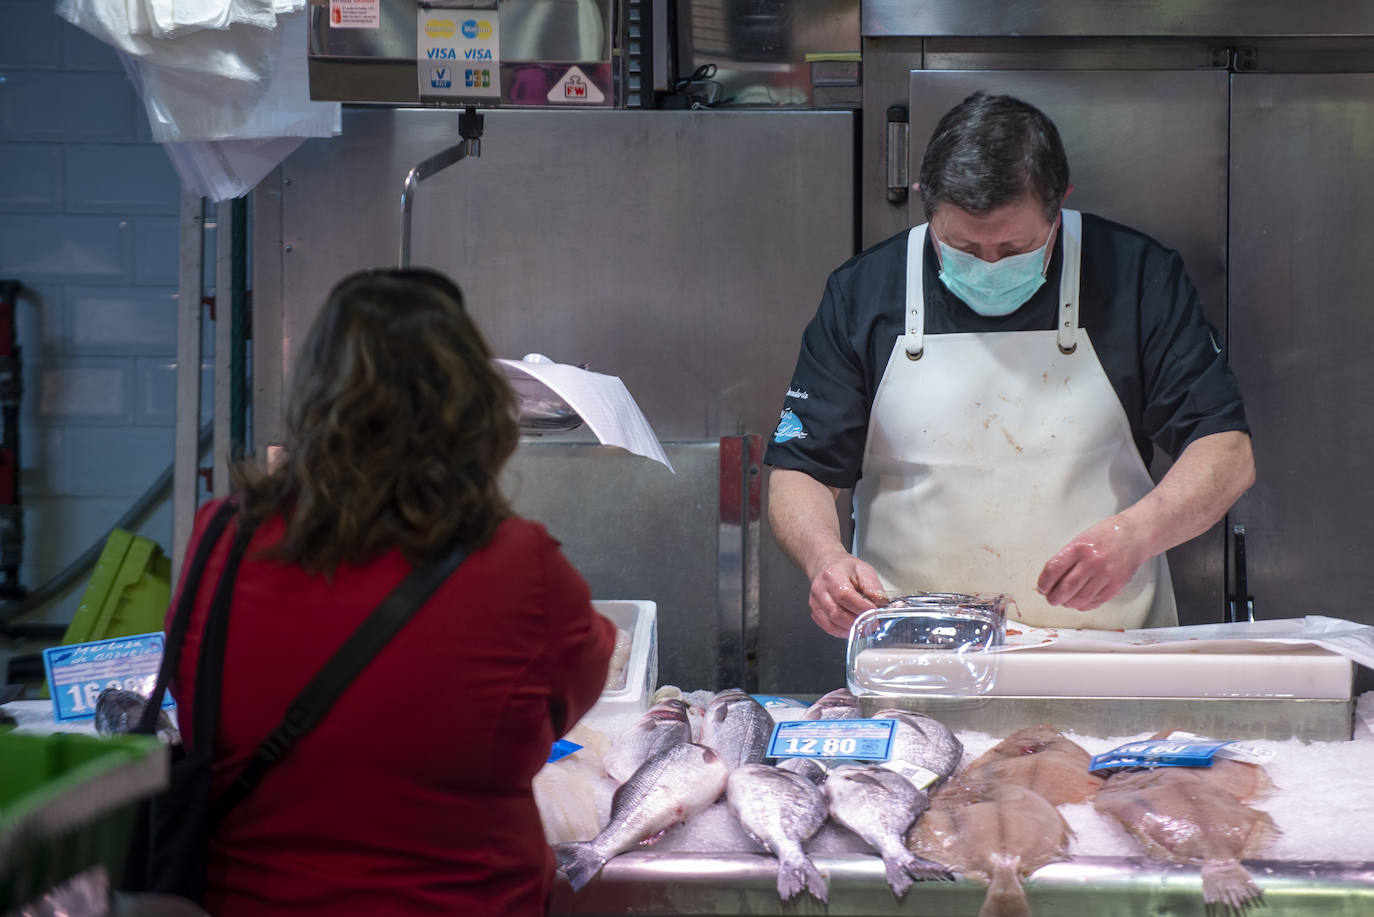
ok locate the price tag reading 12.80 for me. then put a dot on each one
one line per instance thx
(78, 673)
(869, 740)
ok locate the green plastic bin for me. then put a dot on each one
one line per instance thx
(128, 593)
(67, 805)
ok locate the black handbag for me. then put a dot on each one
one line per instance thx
(171, 840)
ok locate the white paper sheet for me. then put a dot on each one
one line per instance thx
(1349, 639)
(603, 402)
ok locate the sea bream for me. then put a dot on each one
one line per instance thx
(664, 724)
(1039, 758)
(781, 811)
(670, 787)
(837, 705)
(738, 727)
(996, 832)
(880, 806)
(923, 749)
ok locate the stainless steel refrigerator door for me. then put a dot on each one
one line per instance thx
(1302, 308)
(1147, 149)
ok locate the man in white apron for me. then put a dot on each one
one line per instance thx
(991, 384)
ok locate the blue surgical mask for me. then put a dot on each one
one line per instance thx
(993, 288)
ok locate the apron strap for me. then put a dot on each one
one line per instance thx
(1071, 227)
(915, 292)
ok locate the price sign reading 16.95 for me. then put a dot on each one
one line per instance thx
(78, 673)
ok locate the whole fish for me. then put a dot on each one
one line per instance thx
(1184, 815)
(806, 768)
(996, 832)
(880, 806)
(738, 727)
(664, 724)
(1040, 759)
(670, 787)
(781, 810)
(118, 711)
(837, 705)
(923, 749)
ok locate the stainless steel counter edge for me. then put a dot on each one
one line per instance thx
(682, 884)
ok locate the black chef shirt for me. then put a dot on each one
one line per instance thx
(1141, 310)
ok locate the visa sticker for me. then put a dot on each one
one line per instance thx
(79, 672)
(865, 740)
(561, 749)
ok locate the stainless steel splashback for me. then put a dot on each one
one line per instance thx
(681, 251)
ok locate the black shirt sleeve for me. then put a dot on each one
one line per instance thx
(1161, 354)
(824, 422)
(1142, 312)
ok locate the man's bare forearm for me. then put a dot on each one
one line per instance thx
(1206, 480)
(801, 511)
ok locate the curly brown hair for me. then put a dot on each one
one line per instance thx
(397, 427)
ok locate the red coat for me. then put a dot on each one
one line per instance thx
(413, 795)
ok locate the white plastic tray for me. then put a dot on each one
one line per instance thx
(625, 704)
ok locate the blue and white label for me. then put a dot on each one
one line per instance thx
(865, 740)
(561, 749)
(774, 702)
(1154, 753)
(441, 78)
(78, 673)
(789, 428)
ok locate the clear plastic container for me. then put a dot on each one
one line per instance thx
(932, 644)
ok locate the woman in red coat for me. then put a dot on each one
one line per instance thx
(412, 796)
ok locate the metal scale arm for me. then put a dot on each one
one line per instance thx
(470, 129)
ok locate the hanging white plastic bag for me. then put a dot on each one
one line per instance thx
(239, 53)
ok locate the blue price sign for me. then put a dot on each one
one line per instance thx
(868, 740)
(78, 673)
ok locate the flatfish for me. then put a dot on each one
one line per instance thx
(781, 811)
(996, 832)
(1039, 758)
(670, 787)
(664, 724)
(1185, 815)
(738, 727)
(880, 806)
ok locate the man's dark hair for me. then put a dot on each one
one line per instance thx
(989, 150)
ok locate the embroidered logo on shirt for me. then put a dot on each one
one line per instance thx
(798, 393)
(789, 428)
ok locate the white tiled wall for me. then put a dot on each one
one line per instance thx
(88, 222)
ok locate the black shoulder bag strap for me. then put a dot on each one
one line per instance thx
(181, 616)
(311, 705)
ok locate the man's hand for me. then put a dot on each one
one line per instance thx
(843, 588)
(1095, 566)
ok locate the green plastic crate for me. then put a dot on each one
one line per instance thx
(128, 592)
(67, 805)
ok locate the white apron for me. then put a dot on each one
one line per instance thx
(988, 452)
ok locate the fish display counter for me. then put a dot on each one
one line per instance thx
(699, 884)
(1303, 838)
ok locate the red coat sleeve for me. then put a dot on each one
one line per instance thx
(581, 642)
